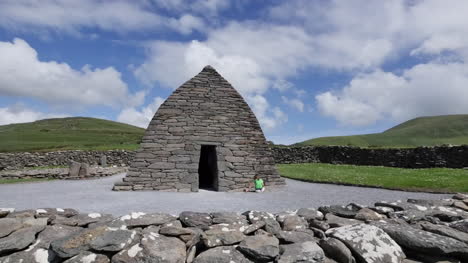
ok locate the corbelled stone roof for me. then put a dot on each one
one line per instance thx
(206, 110)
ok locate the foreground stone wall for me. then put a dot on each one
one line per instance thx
(421, 157)
(409, 231)
(61, 173)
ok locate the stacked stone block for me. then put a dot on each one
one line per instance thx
(205, 110)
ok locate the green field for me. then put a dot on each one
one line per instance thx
(424, 131)
(69, 133)
(427, 180)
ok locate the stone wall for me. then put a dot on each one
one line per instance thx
(415, 231)
(14, 161)
(422, 157)
(61, 173)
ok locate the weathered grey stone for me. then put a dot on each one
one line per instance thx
(113, 240)
(461, 205)
(153, 248)
(51, 233)
(175, 231)
(88, 257)
(301, 252)
(424, 241)
(322, 225)
(288, 237)
(337, 250)
(224, 254)
(369, 243)
(310, 213)
(19, 239)
(366, 214)
(260, 247)
(138, 219)
(9, 225)
(74, 169)
(461, 225)
(53, 212)
(254, 227)
(5, 211)
(195, 219)
(77, 242)
(341, 211)
(82, 219)
(222, 237)
(84, 170)
(227, 218)
(206, 110)
(336, 221)
(445, 231)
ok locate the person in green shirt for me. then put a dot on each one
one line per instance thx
(259, 185)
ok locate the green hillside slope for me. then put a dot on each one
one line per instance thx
(69, 133)
(423, 131)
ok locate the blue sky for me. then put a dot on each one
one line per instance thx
(308, 68)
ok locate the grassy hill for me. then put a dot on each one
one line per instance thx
(423, 131)
(69, 133)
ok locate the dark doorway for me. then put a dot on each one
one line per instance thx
(208, 168)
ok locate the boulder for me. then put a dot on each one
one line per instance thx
(153, 248)
(228, 218)
(19, 239)
(175, 231)
(82, 219)
(301, 236)
(9, 225)
(322, 225)
(293, 222)
(84, 170)
(254, 216)
(88, 257)
(310, 213)
(5, 211)
(33, 255)
(423, 241)
(445, 231)
(113, 240)
(368, 243)
(341, 211)
(74, 170)
(223, 254)
(337, 250)
(262, 248)
(461, 205)
(336, 221)
(54, 232)
(77, 242)
(461, 225)
(53, 212)
(366, 214)
(195, 219)
(272, 226)
(254, 227)
(307, 251)
(140, 219)
(221, 237)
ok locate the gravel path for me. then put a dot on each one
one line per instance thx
(96, 196)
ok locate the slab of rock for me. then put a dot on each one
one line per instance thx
(460, 196)
(272, 226)
(76, 243)
(336, 221)
(224, 254)
(366, 214)
(19, 239)
(54, 232)
(153, 248)
(82, 219)
(9, 225)
(423, 241)
(254, 216)
(113, 240)
(175, 231)
(445, 231)
(461, 225)
(260, 247)
(34, 255)
(228, 218)
(139, 219)
(322, 225)
(302, 236)
(337, 250)
(221, 237)
(195, 219)
(461, 205)
(310, 213)
(53, 212)
(5, 211)
(369, 243)
(21, 214)
(293, 222)
(88, 257)
(307, 251)
(341, 211)
(74, 170)
(254, 227)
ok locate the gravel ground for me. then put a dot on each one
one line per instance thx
(96, 196)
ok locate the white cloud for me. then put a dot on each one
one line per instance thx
(73, 16)
(203, 7)
(423, 90)
(142, 117)
(23, 74)
(294, 103)
(18, 113)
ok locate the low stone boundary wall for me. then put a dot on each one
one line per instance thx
(60, 173)
(422, 157)
(403, 231)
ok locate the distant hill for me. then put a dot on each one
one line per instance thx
(423, 131)
(69, 133)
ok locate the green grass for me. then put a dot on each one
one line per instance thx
(428, 180)
(16, 181)
(69, 134)
(423, 131)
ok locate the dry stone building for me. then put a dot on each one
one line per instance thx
(203, 136)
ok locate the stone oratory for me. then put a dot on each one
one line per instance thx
(204, 136)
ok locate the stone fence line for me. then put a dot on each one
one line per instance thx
(421, 157)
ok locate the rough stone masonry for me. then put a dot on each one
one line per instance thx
(203, 136)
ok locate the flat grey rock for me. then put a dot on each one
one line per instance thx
(322, 225)
(446, 231)
(367, 214)
(52, 212)
(223, 254)
(423, 241)
(293, 222)
(307, 251)
(369, 243)
(33, 255)
(337, 250)
(302, 236)
(195, 219)
(222, 237)
(54, 232)
(113, 240)
(341, 211)
(336, 221)
(175, 231)
(261, 247)
(461, 225)
(9, 225)
(77, 242)
(143, 220)
(88, 257)
(83, 219)
(254, 227)
(310, 213)
(227, 218)
(20, 239)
